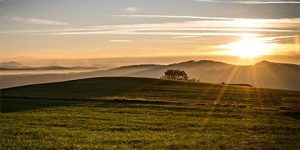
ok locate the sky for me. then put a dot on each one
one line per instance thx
(83, 29)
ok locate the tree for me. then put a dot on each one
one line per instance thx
(175, 75)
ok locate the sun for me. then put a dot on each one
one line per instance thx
(249, 47)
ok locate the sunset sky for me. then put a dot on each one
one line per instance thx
(75, 29)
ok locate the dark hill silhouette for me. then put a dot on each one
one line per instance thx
(263, 74)
(148, 89)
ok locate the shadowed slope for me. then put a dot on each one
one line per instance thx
(153, 90)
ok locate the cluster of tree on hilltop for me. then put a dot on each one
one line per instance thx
(176, 74)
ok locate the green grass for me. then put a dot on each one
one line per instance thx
(139, 113)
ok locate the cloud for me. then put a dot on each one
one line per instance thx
(229, 27)
(37, 21)
(161, 33)
(184, 37)
(204, 21)
(121, 41)
(132, 9)
(252, 1)
(170, 16)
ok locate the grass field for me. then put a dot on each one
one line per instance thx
(140, 113)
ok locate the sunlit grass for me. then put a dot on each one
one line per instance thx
(170, 115)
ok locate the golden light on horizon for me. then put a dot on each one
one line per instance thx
(249, 47)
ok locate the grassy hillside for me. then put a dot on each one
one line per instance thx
(153, 90)
(143, 113)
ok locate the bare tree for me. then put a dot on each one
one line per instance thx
(175, 75)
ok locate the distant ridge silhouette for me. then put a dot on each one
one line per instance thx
(264, 74)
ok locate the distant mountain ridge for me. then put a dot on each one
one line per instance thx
(12, 65)
(264, 74)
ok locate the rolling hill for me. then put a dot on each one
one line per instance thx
(151, 90)
(263, 75)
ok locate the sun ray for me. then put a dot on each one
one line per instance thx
(232, 74)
